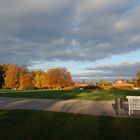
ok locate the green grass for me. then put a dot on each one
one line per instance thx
(41, 125)
(97, 95)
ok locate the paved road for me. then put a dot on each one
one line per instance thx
(103, 108)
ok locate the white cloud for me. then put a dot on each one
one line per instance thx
(124, 70)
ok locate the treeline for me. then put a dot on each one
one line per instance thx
(13, 76)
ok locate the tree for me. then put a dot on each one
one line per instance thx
(135, 82)
(138, 76)
(40, 79)
(44, 80)
(23, 70)
(11, 79)
(37, 81)
(104, 83)
(138, 82)
(25, 81)
(1, 77)
(58, 78)
(3, 68)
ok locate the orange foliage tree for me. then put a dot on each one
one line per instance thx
(58, 78)
(25, 81)
(11, 78)
(138, 75)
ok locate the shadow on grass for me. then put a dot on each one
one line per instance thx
(98, 95)
(46, 94)
(39, 125)
(108, 130)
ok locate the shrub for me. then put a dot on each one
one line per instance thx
(106, 87)
(90, 87)
(70, 88)
(123, 87)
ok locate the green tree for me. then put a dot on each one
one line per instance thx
(3, 68)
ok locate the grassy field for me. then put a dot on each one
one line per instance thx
(39, 125)
(42, 125)
(98, 95)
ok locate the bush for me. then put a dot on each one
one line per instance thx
(90, 87)
(123, 87)
(69, 88)
(105, 87)
(27, 88)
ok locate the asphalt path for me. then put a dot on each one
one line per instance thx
(99, 108)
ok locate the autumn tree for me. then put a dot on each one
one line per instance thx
(44, 80)
(25, 81)
(11, 78)
(37, 81)
(58, 78)
(40, 79)
(23, 70)
(20, 77)
(104, 83)
(138, 76)
(134, 82)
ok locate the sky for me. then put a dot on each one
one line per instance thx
(93, 39)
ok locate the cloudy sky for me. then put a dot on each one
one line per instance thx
(94, 39)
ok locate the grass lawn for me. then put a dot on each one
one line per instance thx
(98, 95)
(41, 125)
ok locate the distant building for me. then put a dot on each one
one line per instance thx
(120, 81)
(122, 84)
